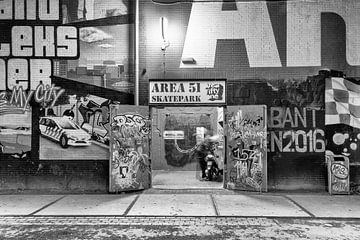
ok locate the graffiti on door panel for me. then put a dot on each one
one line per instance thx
(247, 138)
(129, 158)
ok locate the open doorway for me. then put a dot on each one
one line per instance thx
(176, 133)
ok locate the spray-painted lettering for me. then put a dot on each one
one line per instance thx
(130, 125)
(45, 95)
(302, 134)
(339, 171)
(303, 39)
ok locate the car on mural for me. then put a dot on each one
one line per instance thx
(13, 141)
(15, 133)
(64, 131)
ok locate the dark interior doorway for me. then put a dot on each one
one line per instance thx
(176, 131)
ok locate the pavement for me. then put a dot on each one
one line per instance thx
(180, 214)
(190, 203)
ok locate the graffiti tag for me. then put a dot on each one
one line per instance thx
(340, 171)
(339, 186)
(130, 125)
(128, 164)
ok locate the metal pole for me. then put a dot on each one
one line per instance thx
(136, 90)
(164, 66)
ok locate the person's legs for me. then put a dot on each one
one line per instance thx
(202, 163)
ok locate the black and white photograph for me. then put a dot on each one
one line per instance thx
(179, 119)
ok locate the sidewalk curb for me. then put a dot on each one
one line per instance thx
(177, 216)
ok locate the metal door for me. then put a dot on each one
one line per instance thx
(246, 148)
(129, 148)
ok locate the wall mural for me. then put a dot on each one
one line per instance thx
(296, 126)
(343, 140)
(82, 10)
(342, 117)
(78, 126)
(84, 43)
(15, 128)
(129, 150)
(26, 68)
(246, 164)
(105, 58)
(16, 117)
(342, 128)
(295, 130)
(296, 135)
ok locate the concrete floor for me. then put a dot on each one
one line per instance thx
(182, 180)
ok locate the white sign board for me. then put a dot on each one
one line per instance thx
(187, 92)
(174, 134)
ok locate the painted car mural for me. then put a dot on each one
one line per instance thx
(15, 140)
(89, 112)
(64, 131)
(15, 134)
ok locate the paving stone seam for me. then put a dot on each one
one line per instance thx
(217, 213)
(47, 205)
(299, 205)
(131, 205)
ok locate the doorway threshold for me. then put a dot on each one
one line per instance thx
(182, 180)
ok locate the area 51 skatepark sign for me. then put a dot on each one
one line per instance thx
(187, 92)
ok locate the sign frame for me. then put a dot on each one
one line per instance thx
(201, 82)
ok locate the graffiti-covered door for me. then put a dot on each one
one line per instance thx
(246, 148)
(129, 148)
